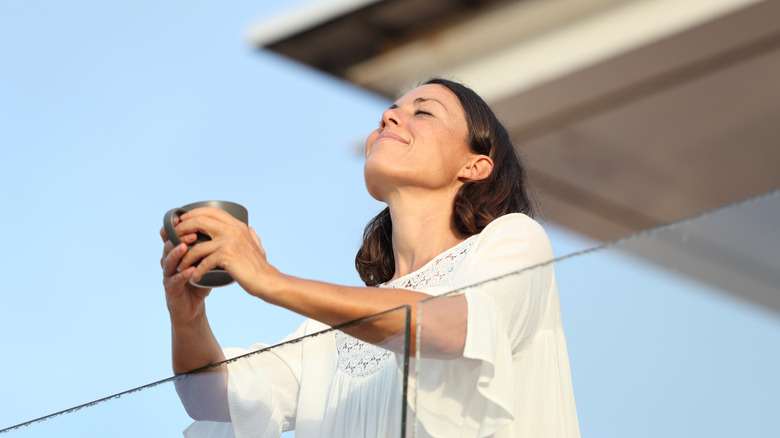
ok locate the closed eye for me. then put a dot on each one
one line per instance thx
(423, 112)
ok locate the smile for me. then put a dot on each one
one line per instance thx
(390, 136)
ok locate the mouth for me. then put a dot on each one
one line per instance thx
(390, 136)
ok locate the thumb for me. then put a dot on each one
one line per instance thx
(256, 238)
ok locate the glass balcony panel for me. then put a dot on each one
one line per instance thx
(674, 331)
(262, 380)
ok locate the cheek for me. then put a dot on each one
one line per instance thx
(369, 141)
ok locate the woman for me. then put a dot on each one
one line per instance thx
(456, 216)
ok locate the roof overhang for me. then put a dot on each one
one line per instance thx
(629, 114)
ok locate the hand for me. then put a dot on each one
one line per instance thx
(185, 301)
(234, 247)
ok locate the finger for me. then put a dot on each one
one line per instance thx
(170, 262)
(189, 238)
(211, 221)
(211, 212)
(163, 234)
(167, 247)
(197, 252)
(205, 265)
(202, 224)
(255, 237)
(178, 281)
(186, 238)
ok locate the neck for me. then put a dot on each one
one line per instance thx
(423, 227)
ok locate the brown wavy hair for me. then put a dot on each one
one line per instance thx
(477, 203)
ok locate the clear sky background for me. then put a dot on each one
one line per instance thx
(111, 113)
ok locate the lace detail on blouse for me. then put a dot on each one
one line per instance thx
(436, 271)
(358, 358)
(362, 359)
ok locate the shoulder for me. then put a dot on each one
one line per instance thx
(514, 222)
(517, 227)
(509, 244)
(514, 236)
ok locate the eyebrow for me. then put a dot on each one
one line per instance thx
(420, 100)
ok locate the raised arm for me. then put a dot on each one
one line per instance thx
(193, 343)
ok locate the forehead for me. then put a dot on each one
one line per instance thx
(432, 92)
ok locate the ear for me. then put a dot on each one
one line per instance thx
(478, 168)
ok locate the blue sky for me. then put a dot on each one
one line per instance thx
(113, 112)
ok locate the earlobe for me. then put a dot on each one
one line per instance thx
(479, 168)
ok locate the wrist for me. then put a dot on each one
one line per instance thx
(187, 322)
(271, 287)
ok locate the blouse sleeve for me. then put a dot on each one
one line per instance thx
(506, 308)
(511, 272)
(262, 392)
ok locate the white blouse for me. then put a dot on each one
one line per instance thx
(512, 381)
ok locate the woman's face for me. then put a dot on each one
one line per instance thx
(421, 143)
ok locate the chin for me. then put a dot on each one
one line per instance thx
(372, 188)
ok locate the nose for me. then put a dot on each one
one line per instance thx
(390, 117)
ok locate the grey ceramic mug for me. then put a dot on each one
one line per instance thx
(216, 277)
